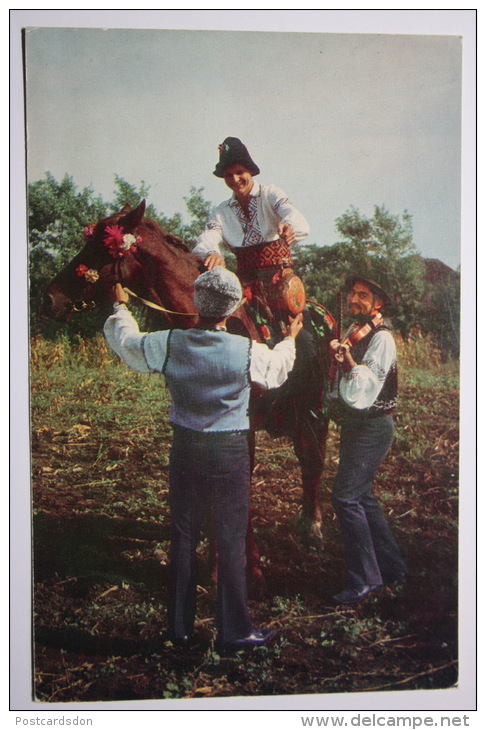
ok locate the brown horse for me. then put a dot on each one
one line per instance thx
(159, 268)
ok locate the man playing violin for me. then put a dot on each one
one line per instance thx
(367, 392)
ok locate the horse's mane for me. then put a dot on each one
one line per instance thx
(154, 227)
(171, 238)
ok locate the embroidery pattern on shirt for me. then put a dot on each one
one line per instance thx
(375, 368)
(385, 405)
(279, 203)
(251, 228)
(267, 370)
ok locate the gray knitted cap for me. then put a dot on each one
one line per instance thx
(217, 293)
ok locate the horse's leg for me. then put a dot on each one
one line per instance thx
(309, 439)
(309, 427)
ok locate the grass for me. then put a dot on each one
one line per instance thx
(100, 444)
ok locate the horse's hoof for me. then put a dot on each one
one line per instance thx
(315, 533)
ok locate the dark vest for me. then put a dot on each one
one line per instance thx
(387, 398)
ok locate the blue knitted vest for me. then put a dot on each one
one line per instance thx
(207, 373)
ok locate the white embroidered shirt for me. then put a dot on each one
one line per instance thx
(360, 387)
(268, 206)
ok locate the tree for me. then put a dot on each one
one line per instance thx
(379, 248)
(199, 208)
(426, 292)
(57, 215)
(125, 192)
(384, 234)
(323, 269)
(196, 205)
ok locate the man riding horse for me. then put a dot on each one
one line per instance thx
(260, 224)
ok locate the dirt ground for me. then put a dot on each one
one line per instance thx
(101, 537)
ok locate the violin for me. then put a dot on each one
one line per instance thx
(357, 332)
(354, 335)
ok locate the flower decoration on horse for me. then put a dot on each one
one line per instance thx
(116, 241)
(91, 275)
(119, 243)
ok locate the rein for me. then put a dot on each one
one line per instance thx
(80, 304)
(118, 269)
(152, 305)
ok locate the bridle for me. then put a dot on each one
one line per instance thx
(80, 305)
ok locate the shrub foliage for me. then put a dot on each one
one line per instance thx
(425, 291)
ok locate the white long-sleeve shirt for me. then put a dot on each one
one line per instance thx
(268, 207)
(360, 387)
(146, 352)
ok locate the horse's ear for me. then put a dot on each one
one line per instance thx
(133, 217)
(126, 208)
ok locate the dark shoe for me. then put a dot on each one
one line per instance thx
(258, 637)
(353, 595)
(185, 642)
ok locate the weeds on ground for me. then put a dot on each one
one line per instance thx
(100, 445)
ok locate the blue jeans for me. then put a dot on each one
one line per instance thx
(372, 555)
(209, 473)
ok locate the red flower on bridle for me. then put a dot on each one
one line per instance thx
(119, 243)
(91, 275)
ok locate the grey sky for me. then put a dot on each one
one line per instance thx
(334, 119)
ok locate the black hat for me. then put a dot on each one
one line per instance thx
(233, 150)
(375, 288)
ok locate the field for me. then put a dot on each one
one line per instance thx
(100, 441)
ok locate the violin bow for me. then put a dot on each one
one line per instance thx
(339, 319)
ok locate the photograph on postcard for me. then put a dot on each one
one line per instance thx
(244, 282)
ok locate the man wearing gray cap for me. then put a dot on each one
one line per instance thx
(208, 372)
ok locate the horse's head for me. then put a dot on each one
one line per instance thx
(106, 258)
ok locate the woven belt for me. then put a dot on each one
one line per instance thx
(262, 256)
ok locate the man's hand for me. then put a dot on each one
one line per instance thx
(286, 233)
(342, 355)
(117, 294)
(214, 259)
(334, 346)
(293, 329)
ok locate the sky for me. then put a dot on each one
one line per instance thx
(335, 119)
